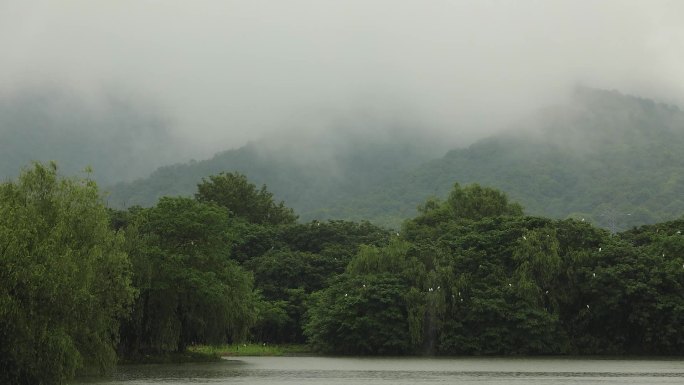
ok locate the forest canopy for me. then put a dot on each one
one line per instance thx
(83, 285)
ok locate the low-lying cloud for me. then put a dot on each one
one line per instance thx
(227, 72)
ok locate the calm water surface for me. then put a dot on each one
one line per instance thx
(414, 371)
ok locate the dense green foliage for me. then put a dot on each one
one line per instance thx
(190, 289)
(470, 274)
(65, 281)
(503, 283)
(234, 192)
(301, 260)
(605, 157)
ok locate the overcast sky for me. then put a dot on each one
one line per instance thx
(231, 71)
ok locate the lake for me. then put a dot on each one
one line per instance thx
(414, 371)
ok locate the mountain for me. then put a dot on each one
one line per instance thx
(606, 157)
(609, 158)
(321, 176)
(117, 140)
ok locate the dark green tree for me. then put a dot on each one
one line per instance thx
(300, 259)
(190, 289)
(360, 315)
(366, 310)
(234, 192)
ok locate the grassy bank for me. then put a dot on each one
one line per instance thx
(252, 350)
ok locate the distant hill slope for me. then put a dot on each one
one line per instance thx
(323, 178)
(612, 159)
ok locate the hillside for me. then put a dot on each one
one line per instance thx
(325, 178)
(606, 157)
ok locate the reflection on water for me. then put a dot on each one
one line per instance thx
(414, 371)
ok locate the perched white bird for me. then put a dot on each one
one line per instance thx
(599, 249)
(524, 237)
(593, 275)
(587, 306)
(345, 294)
(510, 285)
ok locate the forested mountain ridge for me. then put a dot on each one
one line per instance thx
(606, 157)
(603, 156)
(322, 179)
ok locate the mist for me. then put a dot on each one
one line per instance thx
(224, 73)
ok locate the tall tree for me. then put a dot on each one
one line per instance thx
(190, 289)
(64, 279)
(234, 192)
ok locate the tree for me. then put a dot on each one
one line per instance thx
(475, 202)
(360, 315)
(64, 279)
(190, 289)
(367, 310)
(234, 192)
(290, 262)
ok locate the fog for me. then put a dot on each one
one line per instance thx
(228, 72)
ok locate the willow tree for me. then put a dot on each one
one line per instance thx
(190, 289)
(64, 279)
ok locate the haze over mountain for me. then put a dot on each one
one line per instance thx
(225, 73)
(120, 140)
(216, 75)
(604, 156)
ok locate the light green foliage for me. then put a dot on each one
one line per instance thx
(190, 289)
(251, 349)
(475, 202)
(469, 203)
(537, 256)
(234, 192)
(389, 259)
(64, 279)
